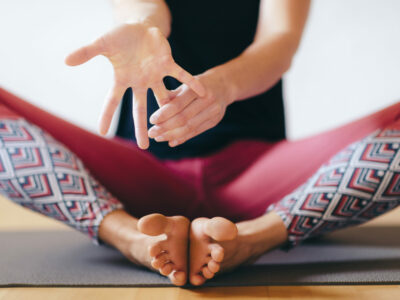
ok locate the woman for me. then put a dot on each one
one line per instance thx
(219, 153)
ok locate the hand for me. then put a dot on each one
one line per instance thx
(188, 114)
(141, 58)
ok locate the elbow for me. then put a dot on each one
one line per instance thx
(286, 64)
(283, 65)
(290, 43)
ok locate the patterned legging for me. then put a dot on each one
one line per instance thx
(358, 183)
(39, 173)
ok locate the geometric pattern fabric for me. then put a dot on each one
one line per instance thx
(357, 184)
(41, 174)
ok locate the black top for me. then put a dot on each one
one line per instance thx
(206, 33)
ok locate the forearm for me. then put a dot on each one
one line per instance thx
(263, 62)
(154, 12)
(259, 67)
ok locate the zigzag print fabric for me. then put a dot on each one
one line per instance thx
(39, 173)
(358, 184)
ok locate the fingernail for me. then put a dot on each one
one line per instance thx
(174, 143)
(151, 131)
(153, 119)
(159, 138)
(102, 131)
(143, 146)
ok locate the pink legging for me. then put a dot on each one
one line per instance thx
(238, 182)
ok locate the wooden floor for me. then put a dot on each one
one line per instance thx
(13, 217)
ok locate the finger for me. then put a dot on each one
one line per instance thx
(175, 92)
(191, 128)
(200, 129)
(173, 107)
(161, 93)
(111, 102)
(85, 53)
(139, 111)
(179, 119)
(188, 79)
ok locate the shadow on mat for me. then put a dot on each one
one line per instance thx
(358, 251)
(358, 255)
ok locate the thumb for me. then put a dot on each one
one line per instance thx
(85, 53)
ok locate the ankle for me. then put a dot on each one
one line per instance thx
(118, 229)
(263, 233)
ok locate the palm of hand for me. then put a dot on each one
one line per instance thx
(141, 58)
(145, 52)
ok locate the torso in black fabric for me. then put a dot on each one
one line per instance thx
(204, 34)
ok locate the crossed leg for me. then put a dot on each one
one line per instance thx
(135, 177)
(145, 185)
(55, 168)
(353, 176)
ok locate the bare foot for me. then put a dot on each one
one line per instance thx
(155, 241)
(218, 245)
(169, 254)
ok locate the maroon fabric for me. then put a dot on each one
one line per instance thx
(239, 181)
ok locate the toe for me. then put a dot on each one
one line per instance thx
(197, 279)
(153, 224)
(157, 248)
(178, 278)
(182, 223)
(220, 229)
(167, 268)
(217, 252)
(213, 266)
(207, 273)
(160, 260)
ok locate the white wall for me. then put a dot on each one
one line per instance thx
(348, 64)
(35, 37)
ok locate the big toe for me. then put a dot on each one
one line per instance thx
(178, 278)
(169, 253)
(220, 229)
(206, 253)
(153, 224)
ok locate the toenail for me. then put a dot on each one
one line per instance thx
(207, 273)
(213, 266)
(161, 253)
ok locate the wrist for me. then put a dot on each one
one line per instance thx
(148, 22)
(144, 21)
(155, 13)
(141, 22)
(220, 75)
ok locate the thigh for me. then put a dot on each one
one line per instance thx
(285, 165)
(137, 178)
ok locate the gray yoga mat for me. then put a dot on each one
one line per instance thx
(352, 256)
